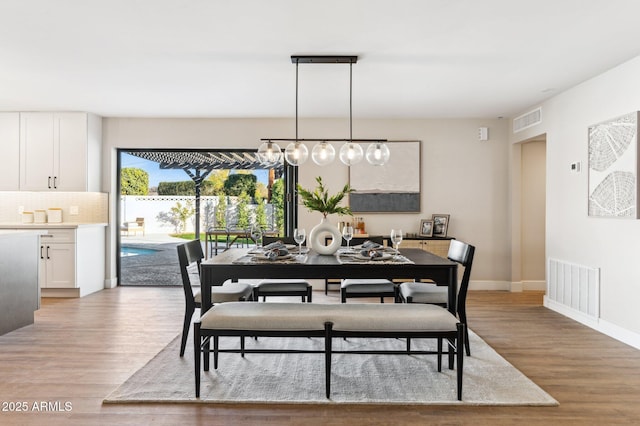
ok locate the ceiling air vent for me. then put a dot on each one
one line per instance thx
(530, 119)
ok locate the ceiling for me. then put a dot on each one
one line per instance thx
(217, 58)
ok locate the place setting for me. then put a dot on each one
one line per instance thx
(276, 251)
(370, 251)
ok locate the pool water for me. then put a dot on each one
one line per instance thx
(134, 251)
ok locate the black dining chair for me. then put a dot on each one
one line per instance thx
(430, 293)
(282, 286)
(367, 287)
(190, 256)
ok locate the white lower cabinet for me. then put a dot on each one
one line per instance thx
(72, 261)
(57, 265)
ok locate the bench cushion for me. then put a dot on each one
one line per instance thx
(352, 317)
(394, 318)
(265, 317)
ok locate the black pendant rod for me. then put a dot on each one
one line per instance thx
(350, 102)
(296, 101)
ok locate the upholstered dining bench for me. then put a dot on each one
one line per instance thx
(327, 321)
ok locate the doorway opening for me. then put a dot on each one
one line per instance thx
(171, 196)
(532, 264)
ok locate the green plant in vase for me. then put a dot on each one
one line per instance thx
(319, 200)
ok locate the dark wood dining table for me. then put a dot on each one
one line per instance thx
(217, 270)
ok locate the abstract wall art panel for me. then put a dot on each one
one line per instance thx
(393, 187)
(613, 168)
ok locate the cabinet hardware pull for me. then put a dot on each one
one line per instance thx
(55, 182)
(49, 182)
(41, 255)
(48, 252)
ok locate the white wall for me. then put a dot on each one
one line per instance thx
(461, 176)
(610, 244)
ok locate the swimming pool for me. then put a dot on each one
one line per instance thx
(135, 251)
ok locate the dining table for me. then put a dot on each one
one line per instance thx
(237, 263)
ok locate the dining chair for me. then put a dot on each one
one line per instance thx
(190, 256)
(367, 287)
(282, 286)
(430, 293)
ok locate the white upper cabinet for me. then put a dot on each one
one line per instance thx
(10, 151)
(59, 151)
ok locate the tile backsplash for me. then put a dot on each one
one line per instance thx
(92, 207)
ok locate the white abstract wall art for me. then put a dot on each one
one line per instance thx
(613, 167)
(393, 187)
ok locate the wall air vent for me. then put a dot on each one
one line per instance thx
(530, 119)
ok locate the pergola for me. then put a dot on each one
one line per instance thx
(198, 164)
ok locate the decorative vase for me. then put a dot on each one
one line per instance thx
(318, 234)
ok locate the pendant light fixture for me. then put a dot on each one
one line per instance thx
(351, 153)
(323, 153)
(296, 152)
(269, 153)
(378, 154)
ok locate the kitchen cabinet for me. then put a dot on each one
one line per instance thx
(59, 151)
(57, 263)
(72, 261)
(10, 151)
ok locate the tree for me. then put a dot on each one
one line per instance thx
(221, 211)
(185, 187)
(277, 200)
(243, 211)
(239, 183)
(134, 181)
(178, 215)
(261, 213)
(217, 179)
(262, 192)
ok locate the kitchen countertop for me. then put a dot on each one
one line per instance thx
(72, 225)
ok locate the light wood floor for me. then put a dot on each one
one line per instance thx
(80, 350)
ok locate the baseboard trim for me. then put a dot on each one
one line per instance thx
(625, 336)
(534, 285)
(60, 292)
(605, 327)
(490, 285)
(111, 283)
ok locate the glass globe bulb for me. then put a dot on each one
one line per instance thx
(323, 154)
(351, 153)
(378, 154)
(269, 153)
(296, 153)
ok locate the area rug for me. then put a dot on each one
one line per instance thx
(355, 378)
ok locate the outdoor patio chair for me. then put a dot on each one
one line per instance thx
(135, 227)
(190, 256)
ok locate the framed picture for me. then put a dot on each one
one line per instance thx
(613, 168)
(426, 228)
(391, 188)
(440, 224)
